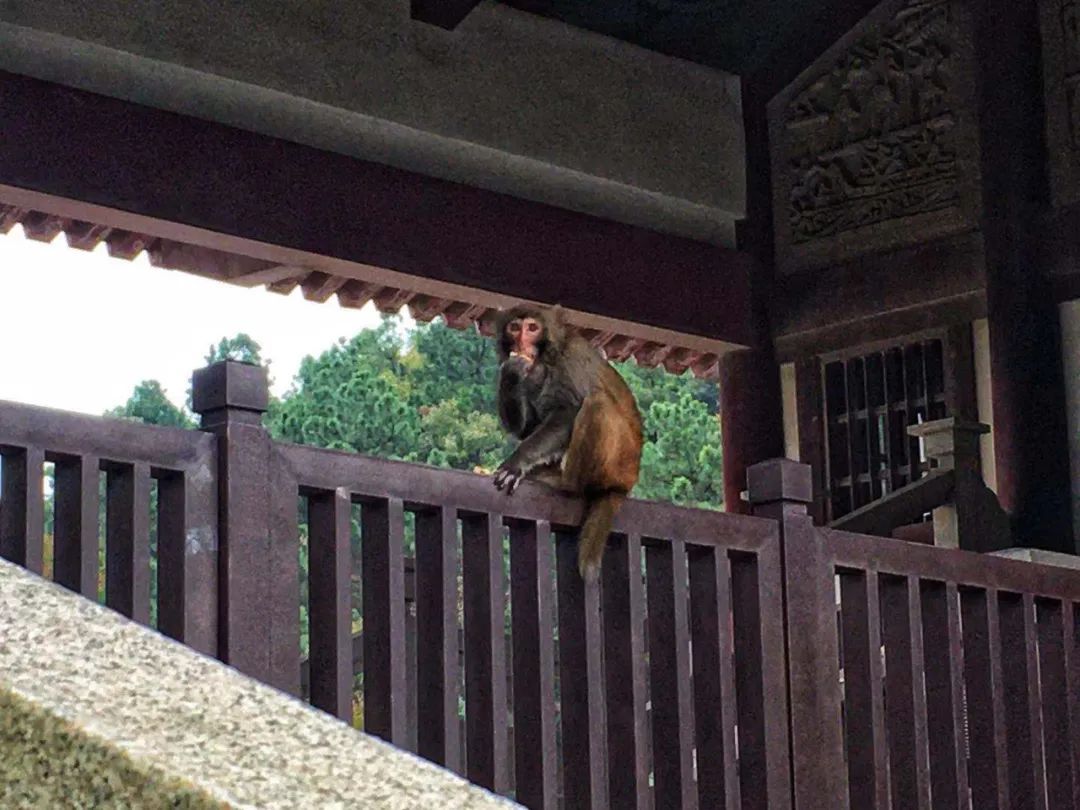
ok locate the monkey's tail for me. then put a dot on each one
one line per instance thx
(595, 529)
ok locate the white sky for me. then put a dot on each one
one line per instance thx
(79, 330)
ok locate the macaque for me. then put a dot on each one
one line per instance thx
(577, 420)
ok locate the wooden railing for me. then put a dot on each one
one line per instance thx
(721, 661)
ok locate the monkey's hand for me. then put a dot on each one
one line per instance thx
(508, 477)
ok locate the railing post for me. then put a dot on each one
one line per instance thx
(231, 398)
(781, 489)
(973, 518)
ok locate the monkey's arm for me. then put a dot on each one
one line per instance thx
(544, 445)
(516, 414)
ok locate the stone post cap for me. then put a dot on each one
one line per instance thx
(945, 437)
(779, 479)
(230, 384)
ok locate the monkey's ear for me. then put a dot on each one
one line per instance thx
(555, 319)
(498, 319)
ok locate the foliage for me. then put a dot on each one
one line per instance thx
(148, 404)
(354, 396)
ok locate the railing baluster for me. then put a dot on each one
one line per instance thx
(715, 709)
(127, 543)
(487, 760)
(21, 507)
(1017, 711)
(624, 664)
(284, 581)
(1034, 698)
(580, 687)
(669, 663)
(941, 658)
(1071, 634)
(187, 559)
(867, 775)
(1055, 703)
(382, 543)
(75, 537)
(329, 573)
(899, 691)
(754, 751)
(535, 751)
(438, 737)
(982, 688)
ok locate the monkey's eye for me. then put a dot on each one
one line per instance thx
(533, 327)
(514, 327)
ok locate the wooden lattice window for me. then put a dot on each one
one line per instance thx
(870, 399)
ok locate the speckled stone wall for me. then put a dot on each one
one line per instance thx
(98, 712)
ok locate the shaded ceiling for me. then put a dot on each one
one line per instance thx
(732, 35)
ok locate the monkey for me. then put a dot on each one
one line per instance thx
(575, 417)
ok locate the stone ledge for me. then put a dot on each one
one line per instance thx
(96, 711)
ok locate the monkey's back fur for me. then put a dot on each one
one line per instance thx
(578, 422)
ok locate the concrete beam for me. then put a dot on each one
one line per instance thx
(508, 101)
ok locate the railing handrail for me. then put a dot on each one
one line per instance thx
(62, 433)
(421, 485)
(973, 569)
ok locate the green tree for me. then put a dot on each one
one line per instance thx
(352, 397)
(148, 404)
(681, 461)
(452, 364)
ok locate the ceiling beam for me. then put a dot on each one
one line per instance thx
(443, 13)
(103, 151)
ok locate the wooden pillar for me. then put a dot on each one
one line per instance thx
(751, 419)
(1030, 428)
(751, 407)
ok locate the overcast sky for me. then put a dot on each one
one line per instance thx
(78, 330)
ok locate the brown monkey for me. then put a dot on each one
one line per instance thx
(577, 420)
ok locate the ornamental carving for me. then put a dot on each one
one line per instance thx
(1061, 72)
(873, 135)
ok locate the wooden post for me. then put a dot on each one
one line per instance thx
(1030, 428)
(751, 418)
(231, 398)
(781, 489)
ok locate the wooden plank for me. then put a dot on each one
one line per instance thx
(532, 565)
(867, 774)
(983, 691)
(624, 670)
(580, 683)
(1016, 706)
(22, 506)
(75, 537)
(715, 708)
(487, 755)
(330, 609)
(284, 580)
(1055, 701)
(900, 692)
(669, 671)
(437, 636)
(127, 543)
(939, 660)
(382, 542)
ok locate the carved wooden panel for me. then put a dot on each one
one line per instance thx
(874, 146)
(1060, 21)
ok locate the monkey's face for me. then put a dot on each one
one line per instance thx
(525, 337)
